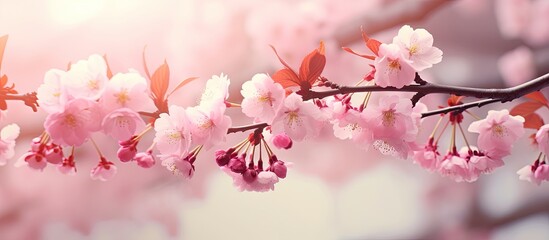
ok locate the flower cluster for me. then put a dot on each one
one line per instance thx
(83, 100)
(284, 107)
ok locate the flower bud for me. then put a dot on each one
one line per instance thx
(237, 165)
(54, 155)
(145, 159)
(279, 169)
(249, 175)
(126, 154)
(282, 141)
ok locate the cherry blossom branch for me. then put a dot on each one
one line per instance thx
(506, 94)
(29, 99)
(396, 14)
(462, 107)
(247, 127)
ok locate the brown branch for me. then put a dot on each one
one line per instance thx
(395, 14)
(29, 99)
(462, 107)
(247, 127)
(506, 94)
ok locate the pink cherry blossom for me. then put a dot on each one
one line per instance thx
(87, 78)
(392, 118)
(262, 98)
(542, 139)
(428, 157)
(34, 160)
(215, 92)
(172, 132)
(392, 67)
(298, 119)
(208, 127)
(104, 170)
(126, 90)
(418, 44)
(455, 167)
(535, 173)
(258, 182)
(7, 142)
(178, 165)
(355, 126)
(51, 94)
(517, 66)
(54, 154)
(145, 159)
(68, 166)
(122, 123)
(282, 141)
(74, 124)
(498, 131)
(482, 162)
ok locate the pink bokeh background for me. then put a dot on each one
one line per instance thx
(335, 190)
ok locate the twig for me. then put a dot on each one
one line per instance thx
(462, 107)
(247, 127)
(506, 94)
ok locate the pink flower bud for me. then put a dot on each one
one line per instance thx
(249, 175)
(36, 161)
(279, 169)
(126, 154)
(104, 171)
(223, 157)
(54, 155)
(68, 166)
(145, 159)
(282, 141)
(36, 145)
(185, 168)
(542, 172)
(237, 165)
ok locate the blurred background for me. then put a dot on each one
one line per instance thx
(335, 190)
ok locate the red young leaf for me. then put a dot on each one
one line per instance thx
(160, 81)
(286, 78)
(181, 84)
(109, 72)
(373, 45)
(3, 41)
(526, 108)
(312, 66)
(358, 54)
(145, 64)
(3, 105)
(3, 81)
(537, 96)
(533, 121)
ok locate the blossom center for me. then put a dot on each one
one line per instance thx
(413, 49)
(499, 130)
(93, 84)
(266, 98)
(70, 120)
(394, 64)
(174, 137)
(389, 118)
(122, 97)
(122, 122)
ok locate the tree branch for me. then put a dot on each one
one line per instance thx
(247, 127)
(29, 99)
(506, 94)
(462, 107)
